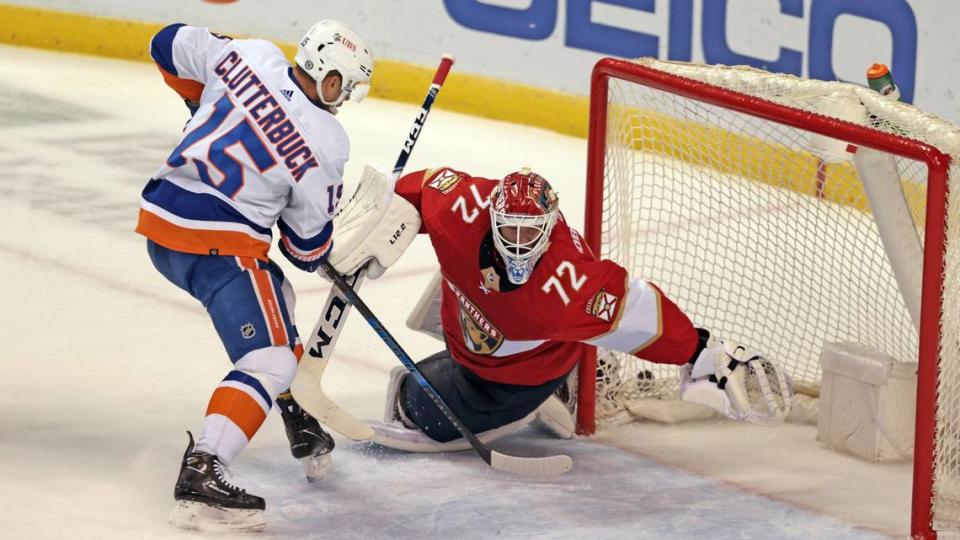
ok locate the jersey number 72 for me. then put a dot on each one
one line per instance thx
(554, 283)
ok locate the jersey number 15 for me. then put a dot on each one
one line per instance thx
(230, 180)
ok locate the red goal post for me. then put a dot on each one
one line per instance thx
(762, 112)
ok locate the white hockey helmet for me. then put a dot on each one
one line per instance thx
(331, 46)
(523, 211)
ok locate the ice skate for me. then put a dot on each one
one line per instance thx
(308, 441)
(207, 501)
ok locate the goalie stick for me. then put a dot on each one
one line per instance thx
(306, 388)
(527, 466)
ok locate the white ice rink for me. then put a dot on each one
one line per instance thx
(105, 364)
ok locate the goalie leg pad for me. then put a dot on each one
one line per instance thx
(480, 404)
(555, 416)
(425, 316)
(392, 411)
(399, 432)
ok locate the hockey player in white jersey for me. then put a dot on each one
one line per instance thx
(262, 147)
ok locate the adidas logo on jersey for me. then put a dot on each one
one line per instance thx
(287, 93)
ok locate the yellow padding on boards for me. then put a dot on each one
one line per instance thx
(76, 33)
(485, 97)
(748, 157)
(471, 94)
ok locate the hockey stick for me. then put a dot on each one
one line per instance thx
(536, 466)
(306, 387)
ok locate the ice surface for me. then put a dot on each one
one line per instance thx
(104, 364)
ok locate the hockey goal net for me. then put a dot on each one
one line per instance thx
(783, 213)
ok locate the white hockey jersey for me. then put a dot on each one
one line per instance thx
(257, 151)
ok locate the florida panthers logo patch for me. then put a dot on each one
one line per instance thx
(479, 334)
(478, 339)
(603, 305)
(445, 181)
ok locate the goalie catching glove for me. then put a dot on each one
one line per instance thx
(738, 382)
(373, 228)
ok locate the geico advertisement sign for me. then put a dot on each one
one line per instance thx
(801, 35)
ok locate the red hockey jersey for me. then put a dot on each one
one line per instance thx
(529, 334)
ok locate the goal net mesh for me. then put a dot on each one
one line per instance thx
(763, 233)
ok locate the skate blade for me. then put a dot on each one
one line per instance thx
(317, 467)
(195, 516)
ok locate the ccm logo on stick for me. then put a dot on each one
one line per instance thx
(415, 130)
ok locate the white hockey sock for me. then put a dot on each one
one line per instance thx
(242, 400)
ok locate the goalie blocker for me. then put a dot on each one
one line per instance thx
(373, 228)
(512, 340)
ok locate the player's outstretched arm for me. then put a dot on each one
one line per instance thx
(639, 319)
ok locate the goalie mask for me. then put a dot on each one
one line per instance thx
(331, 46)
(523, 211)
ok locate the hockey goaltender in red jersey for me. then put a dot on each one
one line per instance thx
(523, 298)
(522, 301)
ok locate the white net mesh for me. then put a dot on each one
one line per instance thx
(763, 233)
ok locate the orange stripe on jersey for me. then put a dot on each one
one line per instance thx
(200, 241)
(298, 350)
(239, 407)
(268, 301)
(187, 88)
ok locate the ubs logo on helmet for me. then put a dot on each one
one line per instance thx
(345, 42)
